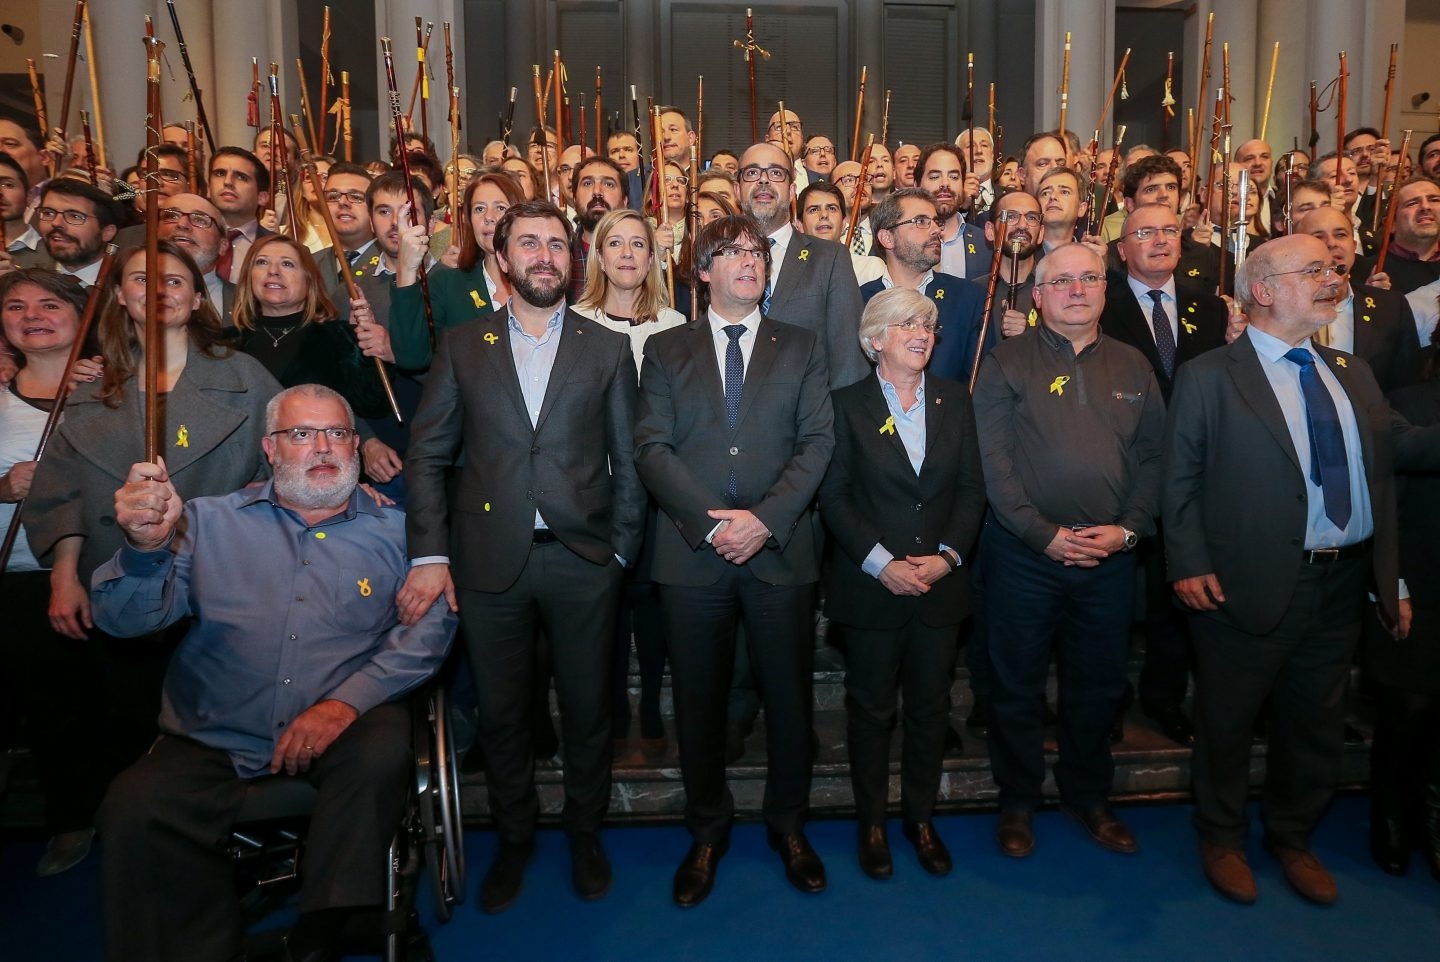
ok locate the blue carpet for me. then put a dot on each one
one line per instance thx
(1069, 901)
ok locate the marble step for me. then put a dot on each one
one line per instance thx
(647, 786)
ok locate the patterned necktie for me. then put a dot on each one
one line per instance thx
(1329, 466)
(765, 301)
(734, 384)
(1164, 337)
(225, 264)
(859, 243)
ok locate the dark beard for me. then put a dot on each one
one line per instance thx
(533, 293)
(589, 221)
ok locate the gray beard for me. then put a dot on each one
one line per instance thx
(297, 491)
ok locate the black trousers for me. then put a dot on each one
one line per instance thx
(574, 603)
(1033, 606)
(779, 634)
(1302, 667)
(912, 666)
(168, 884)
(1165, 672)
(1405, 757)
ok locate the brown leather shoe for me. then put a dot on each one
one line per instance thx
(1107, 830)
(1015, 832)
(802, 866)
(696, 875)
(929, 847)
(1305, 874)
(1228, 871)
(874, 848)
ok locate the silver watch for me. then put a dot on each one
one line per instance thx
(1131, 538)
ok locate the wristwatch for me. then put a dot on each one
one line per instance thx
(1131, 538)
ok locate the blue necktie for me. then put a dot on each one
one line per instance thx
(1164, 337)
(1329, 466)
(765, 301)
(734, 384)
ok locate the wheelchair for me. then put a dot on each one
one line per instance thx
(267, 846)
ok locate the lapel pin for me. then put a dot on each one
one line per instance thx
(1340, 361)
(1370, 303)
(889, 426)
(182, 437)
(804, 253)
(970, 249)
(940, 294)
(1193, 272)
(475, 296)
(1189, 328)
(364, 585)
(491, 338)
(1057, 386)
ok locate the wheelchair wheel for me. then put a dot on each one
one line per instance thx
(438, 798)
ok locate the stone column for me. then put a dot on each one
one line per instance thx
(1091, 25)
(241, 31)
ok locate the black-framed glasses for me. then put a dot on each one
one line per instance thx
(1315, 272)
(356, 197)
(170, 176)
(197, 219)
(735, 251)
(922, 221)
(304, 434)
(1031, 217)
(791, 125)
(847, 180)
(75, 218)
(1064, 282)
(754, 173)
(822, 151)
(1147, 233)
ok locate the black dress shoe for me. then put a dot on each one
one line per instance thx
(1015, 832)
(802, 866)
(1107, 830)
(589, 868)
(979, 718)
(929, 849)
(696, 875)
(1173, 724)
(875, 852)
(501, 885)
(1388, 845)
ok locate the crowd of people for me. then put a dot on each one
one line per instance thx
(556, 403)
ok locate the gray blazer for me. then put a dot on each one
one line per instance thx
(818, 291)
(779, 449)
(218, 403)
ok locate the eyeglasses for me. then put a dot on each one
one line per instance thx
(793, 126)
(1314, 272)
(922, 221)
(169, 176)
(1014, 216)
(197, 219)
(910, 327)
(1064, 283)
(754, 173)
(734, 252)
(304, 434)
(1146, 233)
(75, 218)
(848, 180)
(822, 151)
(1357, 152)
(356, 197)
(675, 180)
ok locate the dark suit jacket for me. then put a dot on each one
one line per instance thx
(575, 466)
(978, 252)
(961, 307)
(1385, 336)
(1202, 326)
(818, 291)
(1234, 490)
(779, 449)
(871, 495)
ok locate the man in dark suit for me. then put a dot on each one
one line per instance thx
(733, 438)
(812, 284)
(908, 233)
(1279, 510)
(193, 223)
(545, 512)
(1169, 325)
(1370, 323)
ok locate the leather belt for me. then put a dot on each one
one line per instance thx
(544, 536)
(1326, 556)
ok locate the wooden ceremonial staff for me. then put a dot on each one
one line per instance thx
(457, 223)
(1065, 86)
(1119, 79)
(305, 111)
(859, 111)
(785, 143)
(692, 229)
(252, 100)
(507, 124)
(854, 222)
(1314, 118)
(885, 119)
(40, 117)
(699, 131)
(1385, 133)
(599, 117)
(90, 164)
(1200, 104)
(345, 114)
(325, 80)
(274, 138)
(307, 164)
(1342, 91)
(1225, 79)
(1097, 211)
(1390, 208)
(94, 71)
(70, 67)
(1001, 229)
(154, 341)
(52, 420)
(752, 50)
(539, 137)
(1225, 223)
(1167, 103)
(583, 135)
(558, 72)
(968, 114)
(421, 89)
(1269, 89)
(190, 75)
(192, 157)
(657, 168)
(398, 120)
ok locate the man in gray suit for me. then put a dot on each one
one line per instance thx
(534, 533)
(1279, 506)
(734, 435)
(812, 283)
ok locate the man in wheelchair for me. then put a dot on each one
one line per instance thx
(294, 666)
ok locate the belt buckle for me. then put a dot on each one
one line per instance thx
(1322, 555)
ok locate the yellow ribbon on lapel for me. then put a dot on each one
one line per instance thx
(1057, 386)
(1341, 362)
(889, 426)
(491, 337)
(970, 249)
(479, 301)
(805, 254)
(1189, 328)
(1370, 303)
(182, 437)
(1193, 272)
(940, 294)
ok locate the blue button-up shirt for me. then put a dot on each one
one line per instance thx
(534, 358)
(286, 615)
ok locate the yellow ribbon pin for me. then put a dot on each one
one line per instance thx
(182, 437)
(805, 254)
(970, 249)
(1341, 361)
(1193, 272)
(889, 426)
(1057, 386)
(1370, 303)
(491, 338)
(479, 301)
(1189, 328)
(364, 585)
(1032, 318)
(940, 295)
